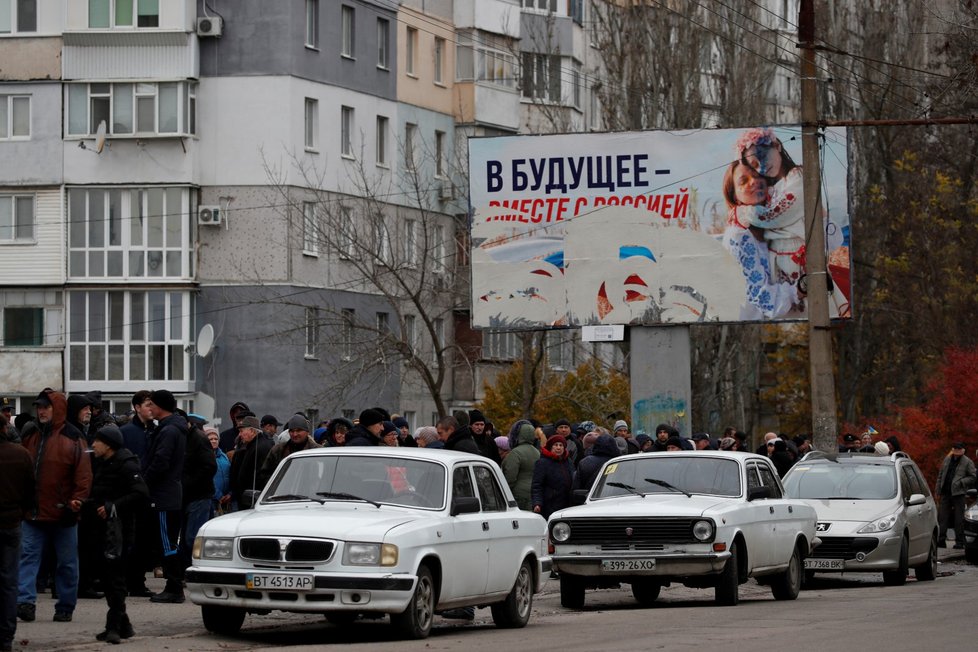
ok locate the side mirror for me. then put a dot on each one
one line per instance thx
(465, 505)
(579, 496)
(755, 493)
(917, 499)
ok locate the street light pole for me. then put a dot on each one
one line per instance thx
(821, 374)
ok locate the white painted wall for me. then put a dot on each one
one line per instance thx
(43, 261)
(498, 16)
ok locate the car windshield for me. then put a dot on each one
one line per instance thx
(381, 480)
(668, 474)
(830, 480)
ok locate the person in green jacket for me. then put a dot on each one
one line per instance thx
(518, 465)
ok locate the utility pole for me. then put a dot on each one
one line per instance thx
(821, 372)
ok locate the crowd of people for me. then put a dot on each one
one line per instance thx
(90, 502)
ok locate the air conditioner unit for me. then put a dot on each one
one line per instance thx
(446, 191)
(209, 216)
(210, 26)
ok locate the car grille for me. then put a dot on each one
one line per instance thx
(297, 550)
(844, 547)
(631, 533)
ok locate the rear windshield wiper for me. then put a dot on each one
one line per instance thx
(626, 487)
(278, 497)
(345, 496)
(663, 483)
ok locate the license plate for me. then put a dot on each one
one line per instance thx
(825, 564)
(626, 565)
(279, 582)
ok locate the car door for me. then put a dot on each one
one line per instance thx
(506, 530)
(466, 557)
(918, 524)
(758, 522)
(785, 521)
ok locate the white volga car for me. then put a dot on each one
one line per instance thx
(700, 518)
(349, 531)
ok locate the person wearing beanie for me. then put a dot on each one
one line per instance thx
(388, 434)
(519, 464)
(602, 450)
(163, 473)
(456, 437)
(299, 440)
(644, 443)
(674, 443)
(269, 425)
(728, 444)
(553, 478)
(404, 437)
(662, 433)
(502, 444)
(119, 493)
(427, 437)
(367, 430)
(483, 439)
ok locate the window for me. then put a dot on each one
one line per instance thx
(16, 218)
(312, 24)
(462, 483)
(411, 51)
(576, 11)
(489, 492)
(411, 417)
(311, 123)
(541, 77)
(411, 242)
(382, 241)
(438, 249)
(347, 25)
(383, 323)
(23, 326)
(769, 479)
(346, 239)
(346, 131)
(382, 129)
(410, 136)
(560, 350)
(439, 59)
(383, 43)
(105, 14)
(439, 344)
(485, 57)
(542, 5)
(140, 109)
(312, 333)
(410, 335)
(31, 317)
(310, 229)
(129, 233)
(18, 16)
(576, 74)
(440, 153)
(347, 336)
(15, 116)
(130, 335)
(501, 345)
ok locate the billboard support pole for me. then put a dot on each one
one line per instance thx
(821, 374)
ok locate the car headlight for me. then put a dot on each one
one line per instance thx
(880, 524)
(208, 548)
(560, 532)
(971, 514)
(703, 530)
(370, 554)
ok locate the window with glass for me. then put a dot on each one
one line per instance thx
(140, 109)
(312, 333)
(411, 242)
(130, 335)
(440, 153)
(23, 326)
(541, 77)
(501, 345)
(560, 350)
(382, 241)
(346, 238)
(32, 317)
(310, 228)
(576, 86)
(541, 5)
(311, 123)
(347, 26)
(490, 493)
(411, 332)
(439, 59)
(383, 43)
(106, 14)
(312, 23)
(17, 218)
(15, 117)
(485, 57)
(439, 250)
(439, 345)
(346, 131)
(410, 138)
(382, 131)
(347, 335)
(18, 16)
(129, 233)
(411, 51)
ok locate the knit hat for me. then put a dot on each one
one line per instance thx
(674, 441)
(555, 439)
(111, 435)
(620, 424)
(400, 422)
(164, 400)
(475, 416)
(270, 420)
(425, 435)
(297, 422)
(389, 428)
(370, 417)
(502, 442)
(882, 448)
(561, 422)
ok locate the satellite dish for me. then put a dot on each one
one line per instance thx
(205, 340)
(100, 137)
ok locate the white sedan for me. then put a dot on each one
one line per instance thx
(350, 531)
(700, 518)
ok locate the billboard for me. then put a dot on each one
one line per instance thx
(650, 228)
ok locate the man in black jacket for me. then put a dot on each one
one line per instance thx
(118, 494)
(456, 437)
(135, 438)
(199, 467)
(367, 430)
(163, 472)
(253, 447)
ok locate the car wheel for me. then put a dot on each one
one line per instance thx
(646, 591)
(927, 571)
(415, 621)
(728, 583)
(898, 577)
(786, 585)
(514, 611)
(571, 592)
(222, 620)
